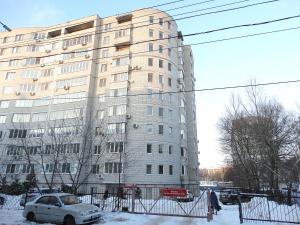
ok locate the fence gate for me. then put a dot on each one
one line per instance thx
(280, 208)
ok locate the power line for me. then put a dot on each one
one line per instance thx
(168, 38)
(171, 20)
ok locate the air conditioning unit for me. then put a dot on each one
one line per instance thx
(84, 43)
(101, 176)
(137, 68)
(32, 93)
(48, 50)
(66, 87)
(64, 47)
(42, 65)
(35, 79)
(128, 116)
(38, 40)
(18, 93)
(135, 126)
(87, 56)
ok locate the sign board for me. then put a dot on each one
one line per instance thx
(173, 192)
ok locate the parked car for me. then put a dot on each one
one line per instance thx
(230, 195)
(34, 193)
(189, 197)
(61, 208)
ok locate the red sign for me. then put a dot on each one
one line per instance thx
(173, 192)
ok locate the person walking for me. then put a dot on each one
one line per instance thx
(214, 203)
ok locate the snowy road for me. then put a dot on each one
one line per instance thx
(227, 216)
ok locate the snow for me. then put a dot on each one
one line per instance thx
(227, 216)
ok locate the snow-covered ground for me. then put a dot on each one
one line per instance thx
(227, 216)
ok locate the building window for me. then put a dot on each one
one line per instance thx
(149, 148)
(160, 95)
(170, 130)
(100, 114)
(113, 167)
(160, 169)
(161, 35)
(169, 24)
(170, 170)
(10, 76)
(170, 82)
(160, 79)
(4, 104)
(183, 170)
(150, 77)
(102, 82)
(149, 110)
(148, 169)
(114, 147)
(105, 53)
(169, 38)
(103, 68)
(151, 19)
(97, 150)
(169, 52)
(169, 66)
(151, 33)
(96, 169)
(15, 133)
(160, 111)
(161, 63)
(19, 37)
(15, 50)
(160, 49)
(150, 61)
(160, 148)
(182, 135)
(2, 119)
(149, 128)
(150, 47)
(119, 77)
(182, 151)
(160, 129)
(149, 94)
(21, 118)
(170, 149)
(161, 21)
(122, 61)
(106, 40)
(107, 27)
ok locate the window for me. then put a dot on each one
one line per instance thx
(160, 129)
(97, 150)
(169, 66)
(113, 167)
(182, 118)
(36, 133)
(2, 51)
(78, 40)
(151, 19)
(170, 114)
(151, 33)
(119, 77)
(161, 63)
(182, 135)
(14, 62)
(100, 114)
(10, 76)
(47, 72)
(102, 82)
(2, 118)
(169, 24)
(149, 110)
(170, 149)
(169, 52)
(105, 53)
(150, 47)
(96, 169)
(19, 37)
(160, 49)
(116, 128)
(114, 147)
(150, 77)
(32, 61)
(160, 79)
(32, 48)
(149, 128)
(21, 118)
(149, 94)
(15, 50)
(121, 33)
(182, 170)
(15, 133)
(160, 111)
(160, 95)
(122, 61)
(169, 38)
(103, 68)
(161, 35)
(117, 110)
(170, 170)
(107, 27)
(161, 21)
(160, 148)
(149, 148)
(170, 82)
(148, 169)
(101, 98)
(4, 104)
(160, 169)
(106, 40)
(39, 117)
(73, 67)
(150, 61)
(71, 82)
(182, 151)
(170, 130)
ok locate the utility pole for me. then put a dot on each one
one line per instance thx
(5, 27)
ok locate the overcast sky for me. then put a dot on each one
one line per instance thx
(267, 58)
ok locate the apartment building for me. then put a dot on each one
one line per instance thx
(99, 101)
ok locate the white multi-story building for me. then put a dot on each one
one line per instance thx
(99, 99)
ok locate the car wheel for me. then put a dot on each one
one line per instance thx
(69, 220)
(31, 217)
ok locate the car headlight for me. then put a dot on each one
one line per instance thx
(84, 213)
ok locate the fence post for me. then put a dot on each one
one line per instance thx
(133, 200)
(269, 209)
(240, 209)
(92, 195)
(209, 209)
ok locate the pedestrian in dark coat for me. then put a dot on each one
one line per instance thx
(214, 202)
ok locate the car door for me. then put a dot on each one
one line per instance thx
(41, 209)
(55, 211)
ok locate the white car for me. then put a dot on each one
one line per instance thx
(61, 208)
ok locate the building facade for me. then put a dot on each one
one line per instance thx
(99, 100)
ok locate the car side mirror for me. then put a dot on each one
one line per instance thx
(57, 204)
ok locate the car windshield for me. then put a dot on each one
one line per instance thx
(69, 200)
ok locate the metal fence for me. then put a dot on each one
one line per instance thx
(270, 208)
(141, 199)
